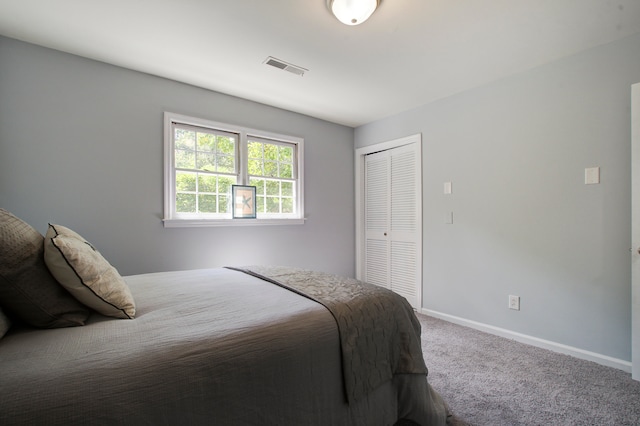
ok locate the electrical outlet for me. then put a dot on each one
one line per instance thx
(514, 302)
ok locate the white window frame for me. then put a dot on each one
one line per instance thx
(172, 220)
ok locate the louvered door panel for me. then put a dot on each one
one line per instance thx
(377, 192)
(403, 223)
(377, 263)
(392, 221)
(403, 191)
(403, 270)
(377, 219)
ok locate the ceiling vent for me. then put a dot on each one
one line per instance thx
(294, 69)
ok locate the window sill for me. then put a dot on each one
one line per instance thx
(203, 223)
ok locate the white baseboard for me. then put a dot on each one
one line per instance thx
(534, 341)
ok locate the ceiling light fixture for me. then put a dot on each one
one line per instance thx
(352, 12)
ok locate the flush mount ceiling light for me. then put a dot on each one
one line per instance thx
(352, 12)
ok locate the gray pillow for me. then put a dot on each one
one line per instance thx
(28, 291)
(4, 324)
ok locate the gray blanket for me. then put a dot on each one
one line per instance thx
(379, 333)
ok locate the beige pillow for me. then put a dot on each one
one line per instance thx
(82, 270)
(28, 291)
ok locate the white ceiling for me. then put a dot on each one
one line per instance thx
(409, 53)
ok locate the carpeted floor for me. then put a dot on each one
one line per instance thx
(489, 381)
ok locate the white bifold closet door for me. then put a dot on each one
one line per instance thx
(392, 216)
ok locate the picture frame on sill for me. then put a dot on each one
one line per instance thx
(244, 201)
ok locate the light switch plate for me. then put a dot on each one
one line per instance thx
(448, 218)
(591, 175)
(447, 188)
(514, 302)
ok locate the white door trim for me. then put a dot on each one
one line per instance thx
(635, 231)
(360, 191)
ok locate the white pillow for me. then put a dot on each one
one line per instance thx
(82, 270)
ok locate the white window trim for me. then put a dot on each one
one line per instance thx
(170, 221)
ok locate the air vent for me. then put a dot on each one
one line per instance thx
(294, 69)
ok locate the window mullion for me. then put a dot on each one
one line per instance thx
(243, 160)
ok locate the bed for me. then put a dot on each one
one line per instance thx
(256, 345)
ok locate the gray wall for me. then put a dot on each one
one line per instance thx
(524, 221)
(81, 145)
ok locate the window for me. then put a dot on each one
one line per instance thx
(272, 169)
(205, 169)
(203, 159)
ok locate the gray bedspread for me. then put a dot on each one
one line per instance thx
(379, 333)
(207, 347)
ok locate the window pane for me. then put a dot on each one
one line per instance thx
(255, 167)
(270, 152)
(259, 184)
(206, 183)
(255, 150)
(185, 139)
(206, 161)
(226, 164)
(185, 203)
(207, 203)
(287, 189)
(287, 205)
(223, 205)
(226, 145)
(273, 187)
(260, 205)
(185, 159)
(224, 184)
(286, 154)
(185, 181)
(206, 142)
(286, 171)
(271, 168)
(273, 205)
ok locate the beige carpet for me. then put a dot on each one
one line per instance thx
(489, 380)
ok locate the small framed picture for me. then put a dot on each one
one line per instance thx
(244, 201)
